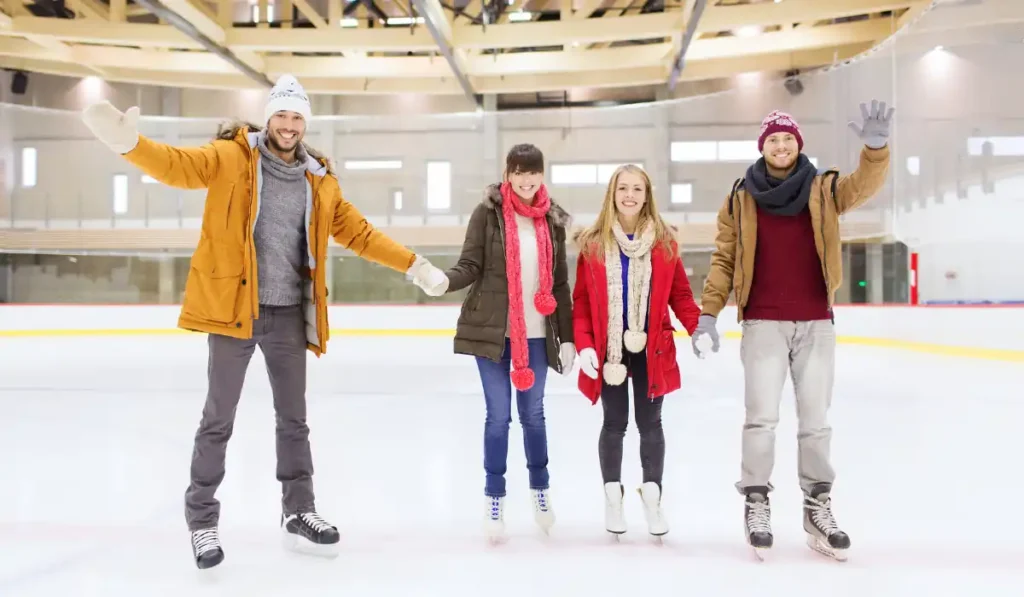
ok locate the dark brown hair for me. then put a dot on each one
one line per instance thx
(524, 157)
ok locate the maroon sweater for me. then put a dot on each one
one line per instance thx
(788, 283)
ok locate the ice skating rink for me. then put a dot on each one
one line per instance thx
(96, 435)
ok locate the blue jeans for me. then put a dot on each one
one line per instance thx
(497, 384)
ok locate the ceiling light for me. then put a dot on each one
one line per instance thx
(349, 22)
(748, 31)
(519, 16)
(404, 20)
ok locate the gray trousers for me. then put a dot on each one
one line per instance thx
(280, 334)
(806, 351)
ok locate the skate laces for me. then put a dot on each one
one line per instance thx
(205, 540)
(314, 521)
(759, 517)
(495, 512)
(821, 514)
(540, 500)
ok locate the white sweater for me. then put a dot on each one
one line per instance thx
(536, 326)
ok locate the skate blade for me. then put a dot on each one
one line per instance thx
(299, 545)
(824, 549)
(761, 553)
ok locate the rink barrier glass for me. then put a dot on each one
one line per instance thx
(954, 196)
(159, 278)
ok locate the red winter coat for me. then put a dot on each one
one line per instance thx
(669, 288)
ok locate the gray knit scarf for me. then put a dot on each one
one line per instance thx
(781, 196)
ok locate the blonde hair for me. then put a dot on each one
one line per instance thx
(595, 240)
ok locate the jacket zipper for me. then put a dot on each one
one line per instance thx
(501, 232)
(740, 255)
(824, 247)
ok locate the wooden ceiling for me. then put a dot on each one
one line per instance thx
(436, 46)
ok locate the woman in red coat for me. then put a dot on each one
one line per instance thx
(628, 275)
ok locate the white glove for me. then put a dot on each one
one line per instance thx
(428, 277)
(588, 362)
(567, 354)
(118, 131)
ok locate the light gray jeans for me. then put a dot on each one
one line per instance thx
(806, 351)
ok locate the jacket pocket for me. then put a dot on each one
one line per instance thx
(214, 285)
(666, 350)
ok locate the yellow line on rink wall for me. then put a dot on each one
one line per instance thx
(988, 354)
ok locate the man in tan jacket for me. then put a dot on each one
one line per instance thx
(778, 251)
(257, 278)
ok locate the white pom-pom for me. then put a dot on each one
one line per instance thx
(614, 373)
(634, 341)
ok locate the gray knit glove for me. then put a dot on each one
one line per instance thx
(705, 325)
(875, 130)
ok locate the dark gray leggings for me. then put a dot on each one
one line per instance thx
(615, 400)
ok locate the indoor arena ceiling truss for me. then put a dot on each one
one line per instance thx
(437, 46)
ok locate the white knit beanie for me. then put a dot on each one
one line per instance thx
(287, 94)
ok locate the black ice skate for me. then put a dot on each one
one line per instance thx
(206, 548)
(308, 533)
(758, 520)
(823, 534)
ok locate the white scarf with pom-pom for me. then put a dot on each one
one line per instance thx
(638, 283)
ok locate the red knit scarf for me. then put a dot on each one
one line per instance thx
(544, 300)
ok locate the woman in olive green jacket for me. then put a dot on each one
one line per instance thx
(516, 320)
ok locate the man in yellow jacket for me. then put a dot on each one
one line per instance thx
(257, 278)
(778, 251)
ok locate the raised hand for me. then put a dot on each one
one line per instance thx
(877, 121)
(118, 131)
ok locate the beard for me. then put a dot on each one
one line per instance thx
(280, 145)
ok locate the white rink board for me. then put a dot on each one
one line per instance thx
(973, 327)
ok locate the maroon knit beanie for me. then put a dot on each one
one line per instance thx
(779, 122)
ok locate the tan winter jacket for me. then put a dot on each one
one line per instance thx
(732, 263)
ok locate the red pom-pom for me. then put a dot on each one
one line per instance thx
(522, 379)
(545, 303)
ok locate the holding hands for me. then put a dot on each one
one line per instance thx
(428, 277)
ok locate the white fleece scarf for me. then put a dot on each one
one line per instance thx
(638, 283)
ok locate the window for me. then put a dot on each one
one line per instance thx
(373, 164)
(270, 13)
(574, 174)
(738, 151)
(439, 185)
(255, 13)
(998, 146)
(682, 193)
(396, 199)
(914, 165)
(120, 193)
(814, 161)
(693, 151)
(28, 167)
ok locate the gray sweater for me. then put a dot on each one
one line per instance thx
(280, 233)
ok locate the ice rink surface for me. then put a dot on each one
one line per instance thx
(96, 436)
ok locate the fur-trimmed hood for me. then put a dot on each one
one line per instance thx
(316, 162)
(492, 199)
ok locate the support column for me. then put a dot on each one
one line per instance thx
(166, 293)
(493, 159)
(658, 162)
(170, 105)
(7, 158)
(875, 274)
